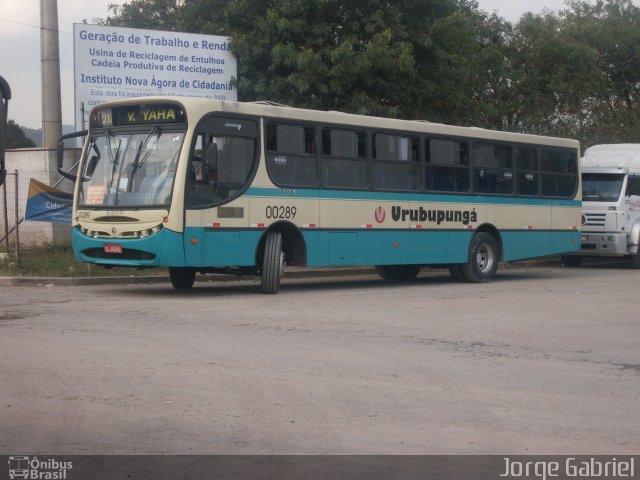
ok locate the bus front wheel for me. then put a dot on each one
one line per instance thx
(272, 263)
(182, 278)
(483, 259)
(398, 272)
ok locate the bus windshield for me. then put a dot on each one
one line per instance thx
(128, 169)
(601, 187)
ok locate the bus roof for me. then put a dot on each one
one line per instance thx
(202, 106)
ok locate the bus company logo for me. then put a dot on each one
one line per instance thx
(380, 214)
(436, 216)
(233, 125)
(33, 468)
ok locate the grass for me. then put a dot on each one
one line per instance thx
(53, 261)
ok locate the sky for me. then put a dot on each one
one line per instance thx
(20, 47)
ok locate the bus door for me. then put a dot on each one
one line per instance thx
(222, 163)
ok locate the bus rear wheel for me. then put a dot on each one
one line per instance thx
(272, 263)
(483, 259)
(182, 278)
(398, 272)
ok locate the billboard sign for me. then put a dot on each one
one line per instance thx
(47, 204)
(113, 63)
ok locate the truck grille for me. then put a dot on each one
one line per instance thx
(594, 219)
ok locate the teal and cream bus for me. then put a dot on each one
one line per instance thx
(209, 186)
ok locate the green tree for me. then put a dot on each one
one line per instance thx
(411, 58)
(612, 30)
(16, 137)
(151, 14)
(577, 73)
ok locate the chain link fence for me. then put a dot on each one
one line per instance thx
(39, 164)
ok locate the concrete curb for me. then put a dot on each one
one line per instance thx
(291, 272)
(150, 279)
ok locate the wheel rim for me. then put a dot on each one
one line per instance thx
(485, 258)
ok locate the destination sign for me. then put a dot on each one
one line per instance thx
(138, 114)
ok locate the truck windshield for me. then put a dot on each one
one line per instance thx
(130, 169)
(601, 187)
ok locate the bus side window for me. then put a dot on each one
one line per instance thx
(527, 179)
(492, 169)
(447, 168)
(291, 155)
(559, 173)
(344, 163)
(395, 162)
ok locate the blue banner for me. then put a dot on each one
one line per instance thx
(47, 204)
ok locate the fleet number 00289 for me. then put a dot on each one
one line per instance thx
(280, 212)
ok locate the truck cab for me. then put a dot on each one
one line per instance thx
(610, 204)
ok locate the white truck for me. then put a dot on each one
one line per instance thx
(610, 203)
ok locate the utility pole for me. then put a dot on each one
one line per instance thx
(50, 57)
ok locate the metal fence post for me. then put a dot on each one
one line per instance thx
(17, 225)
(6, 216)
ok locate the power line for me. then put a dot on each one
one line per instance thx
(31, 25)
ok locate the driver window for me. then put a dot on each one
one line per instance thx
(196, 167)
(203, 171)
(221, 162)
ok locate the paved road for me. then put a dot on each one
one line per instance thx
(543, 360)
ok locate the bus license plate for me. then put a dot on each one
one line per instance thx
(113, 248)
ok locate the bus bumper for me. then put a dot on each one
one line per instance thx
(164, 248)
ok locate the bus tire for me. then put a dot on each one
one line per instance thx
(484, 256)
(398, 272)
(272, 263)
(571, 260)
(455, 269)
(182, 278)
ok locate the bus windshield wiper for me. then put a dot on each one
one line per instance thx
(113, 159)
(137, 162)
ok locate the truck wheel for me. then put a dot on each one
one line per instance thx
(398, 272)
(571, 260)
(635, 260)
(483, 259)
(182, 278)
(272, 263)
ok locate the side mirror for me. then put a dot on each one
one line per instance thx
(5, 96)
(60, 153)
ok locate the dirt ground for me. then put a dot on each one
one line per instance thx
(545, 360)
